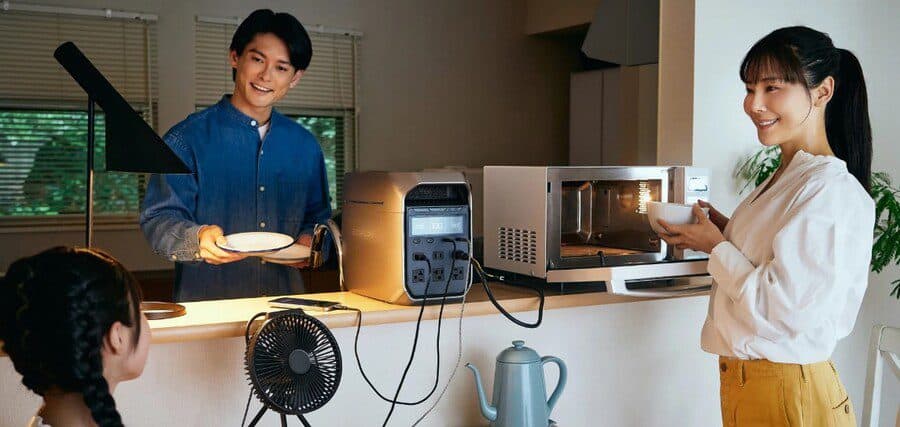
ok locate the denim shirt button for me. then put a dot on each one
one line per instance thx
(262, 188)
(252, 122)
(262, 224)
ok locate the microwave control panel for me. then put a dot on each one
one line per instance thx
(693, 183)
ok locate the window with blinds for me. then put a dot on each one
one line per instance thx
(43, 112)
(324, 101)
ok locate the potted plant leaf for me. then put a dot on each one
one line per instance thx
(755, 168)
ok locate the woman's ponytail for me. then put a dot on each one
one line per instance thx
(847, 119)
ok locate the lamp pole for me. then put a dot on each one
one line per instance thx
(89, 196)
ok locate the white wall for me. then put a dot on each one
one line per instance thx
(635, 364)
(723, 133)
(443, 82)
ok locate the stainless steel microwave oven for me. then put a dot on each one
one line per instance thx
(581, 224)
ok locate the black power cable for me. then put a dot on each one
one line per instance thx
(487, 290)
(412, 353)
(456, 255)
(437, 340)
(395, 400)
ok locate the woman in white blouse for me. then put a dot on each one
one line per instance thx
(791, 266)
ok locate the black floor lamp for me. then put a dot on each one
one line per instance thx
(131, 144)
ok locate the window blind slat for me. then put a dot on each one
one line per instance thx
(117, 47)
(43, 167)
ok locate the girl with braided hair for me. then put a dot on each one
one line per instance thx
(70, 321)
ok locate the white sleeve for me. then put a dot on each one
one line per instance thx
(821, 245)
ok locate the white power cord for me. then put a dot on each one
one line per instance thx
(462, 310)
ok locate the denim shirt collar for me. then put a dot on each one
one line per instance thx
(236, 117)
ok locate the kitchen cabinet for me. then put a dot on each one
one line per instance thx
(637, 113)
(613, 116)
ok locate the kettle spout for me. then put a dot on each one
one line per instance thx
(487, 410)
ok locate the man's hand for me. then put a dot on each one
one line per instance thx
(209, 252)
(715, 216)
(703, 236)
(304, 240)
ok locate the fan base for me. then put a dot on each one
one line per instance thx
(283, 418)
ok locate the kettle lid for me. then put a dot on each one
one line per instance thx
(518, 353)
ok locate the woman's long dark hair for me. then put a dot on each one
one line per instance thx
(806, 56)
(55, 310)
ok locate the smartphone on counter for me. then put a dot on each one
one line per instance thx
(306, 304)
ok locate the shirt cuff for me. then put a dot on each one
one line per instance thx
(729, 267)
(189, 249)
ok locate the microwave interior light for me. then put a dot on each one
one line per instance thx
(644, 196)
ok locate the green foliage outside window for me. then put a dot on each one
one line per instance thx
(42, 164)
(42, 170)
(325, 130)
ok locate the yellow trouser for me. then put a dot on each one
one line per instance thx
(764, 393)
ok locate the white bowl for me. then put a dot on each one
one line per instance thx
(673, 213)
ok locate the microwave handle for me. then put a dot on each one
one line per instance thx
(618, 287)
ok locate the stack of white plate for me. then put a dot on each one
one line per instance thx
(272, 247)
(291, 255)
(256, 243)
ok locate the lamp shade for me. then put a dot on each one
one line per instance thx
(131, 144)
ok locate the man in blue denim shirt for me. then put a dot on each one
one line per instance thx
(253, 169)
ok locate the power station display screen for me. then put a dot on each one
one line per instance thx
(435, 225)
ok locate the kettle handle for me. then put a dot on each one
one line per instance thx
(560, 384)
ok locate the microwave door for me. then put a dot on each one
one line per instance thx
(602, 223)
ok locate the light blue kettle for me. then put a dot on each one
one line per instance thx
(519, 392)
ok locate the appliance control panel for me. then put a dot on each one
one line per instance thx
(692, 183)
(434, 234)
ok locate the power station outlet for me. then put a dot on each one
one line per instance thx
(458, 273)
(437, 274)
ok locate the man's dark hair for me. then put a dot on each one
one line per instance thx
(282, 25)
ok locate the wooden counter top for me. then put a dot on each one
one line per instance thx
(228, 318)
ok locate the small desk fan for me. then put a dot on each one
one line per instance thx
(293, 363)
